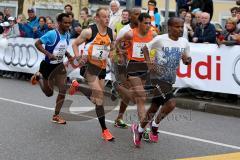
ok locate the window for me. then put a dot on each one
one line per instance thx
(12, 7)
(50, 10)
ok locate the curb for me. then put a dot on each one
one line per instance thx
(209, 107)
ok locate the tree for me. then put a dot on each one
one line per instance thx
(20, 6)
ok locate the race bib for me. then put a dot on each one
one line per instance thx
(100, 52)
(137, 50)
(59, 53)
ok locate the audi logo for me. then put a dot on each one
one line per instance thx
(236, 70)
(20, 54)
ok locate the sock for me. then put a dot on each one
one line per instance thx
(140, 129)
(101, 116)
(154, 128)
(154, 124)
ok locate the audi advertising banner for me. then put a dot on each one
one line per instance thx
(213, 68)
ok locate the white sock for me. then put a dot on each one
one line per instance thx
(154, 124)
(140, 129)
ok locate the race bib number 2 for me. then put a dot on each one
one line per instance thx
(100, 52)
(137, 50)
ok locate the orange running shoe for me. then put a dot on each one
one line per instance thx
(58, 119)
(73, 87)
(107, 136)
(35, 78)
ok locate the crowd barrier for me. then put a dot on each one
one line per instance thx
(213, 68)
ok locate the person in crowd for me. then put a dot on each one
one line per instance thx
(50, 24)
(188, 29)
(32, 22)
(24, 28)
(68, 8)
(229, 32)
(182, 13)
(115, 14)
(233, 11)
(157, 17)
(41, 29)
(1, 21)
(86, 20)
(238, 18)
(205, 33)
(75, 28)
(13, 29)
(196, 20)
(7, 13)
(125, 21)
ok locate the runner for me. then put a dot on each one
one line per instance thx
(98, 40)
(170, 48)
(120, 67)
(52, 71)
(137, 68)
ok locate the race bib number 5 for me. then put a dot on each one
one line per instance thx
(100, 52)
(137, 50)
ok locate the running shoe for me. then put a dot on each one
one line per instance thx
(136, 135)
(35, 78)
(58, 119)
(153, 134)
(73, 87)
(146, 135)
(119, 123)
(107, 136)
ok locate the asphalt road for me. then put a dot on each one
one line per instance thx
(26, 132)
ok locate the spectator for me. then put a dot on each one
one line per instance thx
(157, 17)
(7, 14)
(234, 11)
(1, 21)
(115, 14)
(6, 28)
(188, 30)
(75, 28)
(182, 13)
(125, 21)
(41, 29)
(86, 21)
(24, 28)
(205, 33)
(238, 18)
(14, 29)
(196, 20)
(32, 22)
(230, 30)
(50, 24)
(68, 8)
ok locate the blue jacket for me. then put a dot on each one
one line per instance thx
(206, 34)
(40, 31)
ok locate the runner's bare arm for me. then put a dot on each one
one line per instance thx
(85, 35)
(125, 39)
(38, 45)
(112, 47)
(68, 55)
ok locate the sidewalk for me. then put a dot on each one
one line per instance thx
(215, 106)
